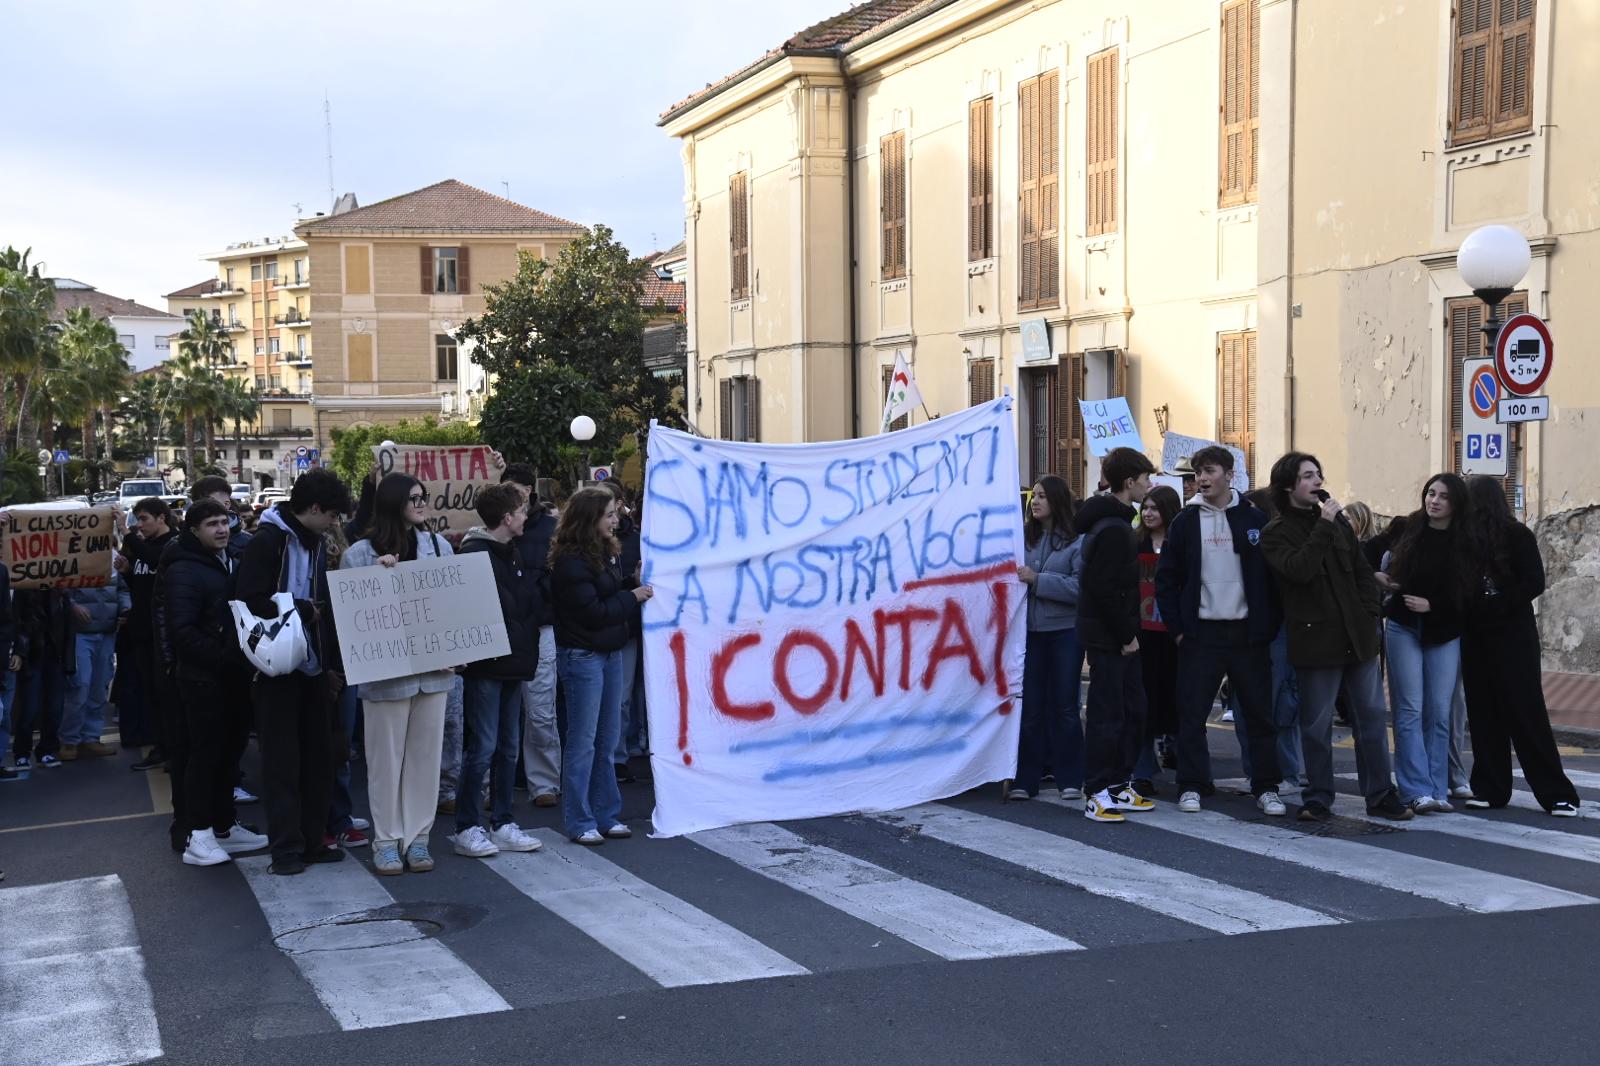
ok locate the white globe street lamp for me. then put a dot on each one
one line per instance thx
(1493, 260)
(582, 429)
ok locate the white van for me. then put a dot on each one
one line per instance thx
(135, 489)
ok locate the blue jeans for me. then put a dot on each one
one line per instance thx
(40, 691)
(1422, 688)
(83, 708)
(1052, 732)
(631, 709)
(592, 683)
(1285, 715)
(343, 806)
(493, 738)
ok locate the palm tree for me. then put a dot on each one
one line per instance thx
(203, 339)
(188, 391)
(27, 333)
(95, 367)
(141, 407)
(240, 402)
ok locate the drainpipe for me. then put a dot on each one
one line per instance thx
(850, 209)
(1288, 353)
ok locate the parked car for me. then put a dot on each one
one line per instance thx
(267, 497)
(241, 492)
(135, 489)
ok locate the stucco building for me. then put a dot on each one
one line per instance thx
(390, 284)
(142, 330)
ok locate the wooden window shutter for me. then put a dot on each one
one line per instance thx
(1028, 194)
(1236, 406)
(1119, 372)
(1102, 143)
(1249, 387)
(1240, 104)
(904, 420)
(1049, 141)
(1513, 111)
(892, 204)
(752, 408)
(1464, 318)
(1069, 420)
(427, 270)
(980, 382)
(1469, 95)
(725, 409)
(463, 269)
(739, 236)
(980, 179)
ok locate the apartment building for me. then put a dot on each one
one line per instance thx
(1036, 196)
(392, 281)
(142, 330)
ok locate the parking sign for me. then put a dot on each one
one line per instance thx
(1483, 440)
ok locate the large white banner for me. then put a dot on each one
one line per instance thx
(836, 627)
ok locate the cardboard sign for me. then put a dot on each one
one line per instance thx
(452, 475)
(1109, 424)
(1176, 446)
(58, 547)
(836, 626)
(413, 618)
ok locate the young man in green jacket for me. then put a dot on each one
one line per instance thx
(1330, 599)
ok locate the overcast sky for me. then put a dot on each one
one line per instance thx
(139, 137)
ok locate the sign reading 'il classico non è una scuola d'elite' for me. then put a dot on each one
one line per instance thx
(58, 547)
(451, 474)
(412, 618)
(836, 627)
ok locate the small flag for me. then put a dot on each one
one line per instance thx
(903, 394)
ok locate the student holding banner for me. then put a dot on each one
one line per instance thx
(404, 715)
(595, 604)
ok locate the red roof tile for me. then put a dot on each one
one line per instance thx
(448, 206)
(830, 35)
(104, 305)
(673, 294)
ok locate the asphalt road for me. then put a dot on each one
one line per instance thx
(969, 931)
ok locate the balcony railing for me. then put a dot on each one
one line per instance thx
(292, 318)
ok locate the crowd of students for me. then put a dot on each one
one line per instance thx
(1301, 607)
(1290, 603)
(160, 640)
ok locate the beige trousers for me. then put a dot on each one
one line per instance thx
(403, 742)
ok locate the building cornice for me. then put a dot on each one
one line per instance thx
(748, 87)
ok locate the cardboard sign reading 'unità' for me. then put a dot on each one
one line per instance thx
(452, 475)
(416, 617)
(58, 547)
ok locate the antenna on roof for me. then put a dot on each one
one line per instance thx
(327, 123)
(506, 185)
(299, 210)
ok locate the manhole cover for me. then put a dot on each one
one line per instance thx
(395, 923)
(1346, 827)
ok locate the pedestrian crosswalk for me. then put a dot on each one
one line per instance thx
(957, 880)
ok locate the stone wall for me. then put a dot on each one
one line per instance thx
(1569, 610)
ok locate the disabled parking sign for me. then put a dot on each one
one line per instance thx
(1483, 439)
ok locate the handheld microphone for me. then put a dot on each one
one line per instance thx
(1323, 497)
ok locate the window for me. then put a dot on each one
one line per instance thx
(305, 384)
(233, 314)
(740, 408)
(272, 309)
(260, 348)
(263, 453)
(127, 340)
(300, 346)
(261, 382)
(282, 418)
(1491, 67)
(445, 353)
(892, 204)
(1071, 447)
(904, 420)
(980, 179)
(1039, 394)
(299, 271)
(272, 270)
(274, 346)
(358, 270)
(1241, 103)
(1236, 394)
(1038, 211)
(230, 277)
(1102, 142)
(255, 271)
(233, 352)
(980, 382)
(163, 344)
(255, 309)
(1463, 321)
(445, 267)
(739, 236)
(277, 383)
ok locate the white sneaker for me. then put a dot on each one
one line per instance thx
(474, 843)
(1100, 807)
(1425, 805)
(1189, 802)
(1270, 804)
(360, 823)
(1443, 806)
(203, 850)
(590, 837)
(618, 832)
(239, 840)
(241, 796)
(510, 837)
(1461, 792)
(1227, 716)
(1072, 793)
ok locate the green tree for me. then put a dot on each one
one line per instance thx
(352, 448)
(27, 334)
(189, 392)
(240, 402)
(202, 339)
(580, 313)
(528, 416)
(95, 367)
(141, 412)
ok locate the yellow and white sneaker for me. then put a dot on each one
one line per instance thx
(1100, 807)
(1127, 799)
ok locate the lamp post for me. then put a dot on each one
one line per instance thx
(1493, 261)
(582, 430)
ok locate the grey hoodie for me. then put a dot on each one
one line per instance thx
(1222, 597)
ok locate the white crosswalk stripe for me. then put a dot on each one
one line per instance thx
(1579, 778)
(72, 979)
(937, 921)
(1523, 800)
(366, 972)
(1197, 900)
(1459, 886)
(670, 940)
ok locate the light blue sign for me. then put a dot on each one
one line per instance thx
(61, 456)
(1492, 446)
(302, 463)
(1474, 445)
(1109, 424)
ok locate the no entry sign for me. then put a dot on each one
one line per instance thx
(1524, 354)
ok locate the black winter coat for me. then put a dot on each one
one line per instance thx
(1330, 598)
(144, 557)
(593, 610)
(1508, 593)
(258, 573)
(628, 565)
(194, 627)
(533, 549)
(517, 605)
(8, 628)
(1178, 575)
(1108, 592)
(44, 620)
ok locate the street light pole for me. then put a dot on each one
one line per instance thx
(1493, 261)
(582, 430)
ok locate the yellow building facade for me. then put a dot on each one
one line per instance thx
(392, 281)
(950, 180)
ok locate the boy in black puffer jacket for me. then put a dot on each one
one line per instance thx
(1108, 627)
